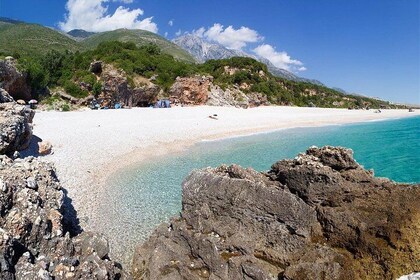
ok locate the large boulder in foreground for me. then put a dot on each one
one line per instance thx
(15, 125)
(318, 216)
(35, 239)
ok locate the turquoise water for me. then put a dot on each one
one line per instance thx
(141, 197)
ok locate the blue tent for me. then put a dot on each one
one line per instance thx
(163, 103)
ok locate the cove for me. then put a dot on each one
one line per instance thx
(142, 196)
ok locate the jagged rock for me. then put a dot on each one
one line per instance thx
(14, 81)
(34, 242)
(190, 90)
(45, 148)
(5, 97)
(318, 216)
(15, 127)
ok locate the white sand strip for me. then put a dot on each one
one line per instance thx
(89, 145)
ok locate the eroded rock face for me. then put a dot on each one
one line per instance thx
(14, 81)
(200, 90)
(318, 216)
(235, 97)
(190, 90)
(144, 96)
(15, 127)
(115, 87)
(34, 243)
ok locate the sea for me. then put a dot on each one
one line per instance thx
(142, 196)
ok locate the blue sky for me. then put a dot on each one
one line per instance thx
(369, 47)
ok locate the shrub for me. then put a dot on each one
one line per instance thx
(65, 107)
(75, 91)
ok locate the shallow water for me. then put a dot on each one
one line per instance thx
(140, 197)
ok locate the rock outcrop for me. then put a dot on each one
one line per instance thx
(39, 238)
(115, 87)
(13, 80)
(15, 125)
(235, 97)
(145, 95)
(318, 216)
(190, 90)
(200, 90)
(34, 241)
(5, 96)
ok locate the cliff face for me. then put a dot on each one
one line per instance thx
(14, 81)
(318, 216)
(200, 90)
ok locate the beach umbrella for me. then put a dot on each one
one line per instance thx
(21, 102)
(32, 101)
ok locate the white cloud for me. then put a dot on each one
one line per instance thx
(166, 34)
(199, 32)
(171, 22)
(124, 1)
(279, 59)
(178, 33)
(230, 37)
(93, 15)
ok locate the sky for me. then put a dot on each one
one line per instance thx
(362, 46)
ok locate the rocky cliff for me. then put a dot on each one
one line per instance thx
(39, 237)
(318, 216)
(13, 80)
(200, 90)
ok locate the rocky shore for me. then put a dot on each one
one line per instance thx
(39, 235)
(318, 216)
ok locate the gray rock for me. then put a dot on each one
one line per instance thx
(15, 127)
(31, 183)
(34, 242)
(318, 216)
(5, 97)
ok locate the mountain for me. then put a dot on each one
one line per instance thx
(204, 50)
(32, 39)
(9, 20)
(79, 34)
(140, 37)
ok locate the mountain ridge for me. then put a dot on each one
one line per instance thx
(15, 35)
(204, 50)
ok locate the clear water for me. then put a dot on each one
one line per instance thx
(141, 197)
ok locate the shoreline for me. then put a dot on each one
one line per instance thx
(84, 170)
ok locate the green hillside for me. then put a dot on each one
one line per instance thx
(35, 40)
(140, 38)
(32, 39)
